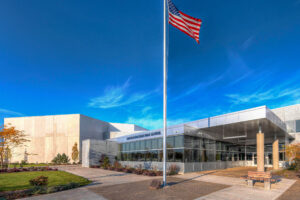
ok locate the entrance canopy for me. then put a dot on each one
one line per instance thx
(237, 127)
(241, 127)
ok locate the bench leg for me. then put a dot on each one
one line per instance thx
(267, 185)
(250, 183)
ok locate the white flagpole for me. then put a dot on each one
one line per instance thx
(165, 96)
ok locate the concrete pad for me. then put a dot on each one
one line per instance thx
(101, 177)
(74, 194)
(239, 189)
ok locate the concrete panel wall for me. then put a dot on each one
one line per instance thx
(94, 129)
(48, 135)
(119, 127)
(288, 113)
(93, 149)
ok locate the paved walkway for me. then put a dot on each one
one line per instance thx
(237, 191)
(99, 177)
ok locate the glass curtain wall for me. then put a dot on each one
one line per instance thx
(181, 148)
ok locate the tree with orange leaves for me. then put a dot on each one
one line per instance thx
(292, 152)
(10, 138)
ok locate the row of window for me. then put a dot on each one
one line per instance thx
(190, 155)
(179, 141)
(183, 155)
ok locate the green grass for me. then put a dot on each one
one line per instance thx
(29, 165)
(20, 180)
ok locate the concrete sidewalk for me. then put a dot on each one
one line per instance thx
(238, 190)
(99, 177)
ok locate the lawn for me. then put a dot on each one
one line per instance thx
(29, 165)
(20, 180)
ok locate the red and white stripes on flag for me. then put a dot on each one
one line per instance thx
(185, 23)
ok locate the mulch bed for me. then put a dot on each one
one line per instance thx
(27, 169)
(177, 188)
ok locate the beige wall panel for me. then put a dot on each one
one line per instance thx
(49, 149)
(49, 135)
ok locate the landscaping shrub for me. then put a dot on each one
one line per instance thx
(61, 159)
(138, 171)
(39, 181)
(36, 190)
(117, 165)
(173, 169)
(104, 162)
(159, 173)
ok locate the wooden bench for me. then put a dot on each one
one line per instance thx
(265, 177)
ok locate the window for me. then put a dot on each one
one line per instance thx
(126, 146)
(148, 156)
(188, 141)
(170, 155)
(281, 156)
(132, 146)
(133, 156)
(148, 144)
(242, 156)
(170, 142)
(218, 155)
(141, 156)
(249, 156)
(138, 145)
(160, 155)
(142, 145)
(204, 157)
(178, 155)
(154, 144)
(188, 155)
(196, 155)
(297, 125)
(160, 143)
(224, 156)
(178, 141)
(219, 145)
(211, 155)
(154, 155)
(196, 142)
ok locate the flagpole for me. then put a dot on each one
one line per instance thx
(165, 95)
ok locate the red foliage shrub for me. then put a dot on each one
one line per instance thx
(39, 181)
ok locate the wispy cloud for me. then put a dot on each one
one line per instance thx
(248, 42)
(9, 112)
(285, 92)
(116, 96)
(152, 122)
(146, 109)
(197, 87)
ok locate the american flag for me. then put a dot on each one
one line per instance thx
(187, 24)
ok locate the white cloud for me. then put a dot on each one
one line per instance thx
(283, 92)
(197, 87)
(151, 122)
(248, 42)
(146, 109)
(116, 96)
(9, 112)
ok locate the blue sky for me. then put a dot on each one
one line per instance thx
(104, 59)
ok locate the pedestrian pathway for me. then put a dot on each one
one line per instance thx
(239, 190)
